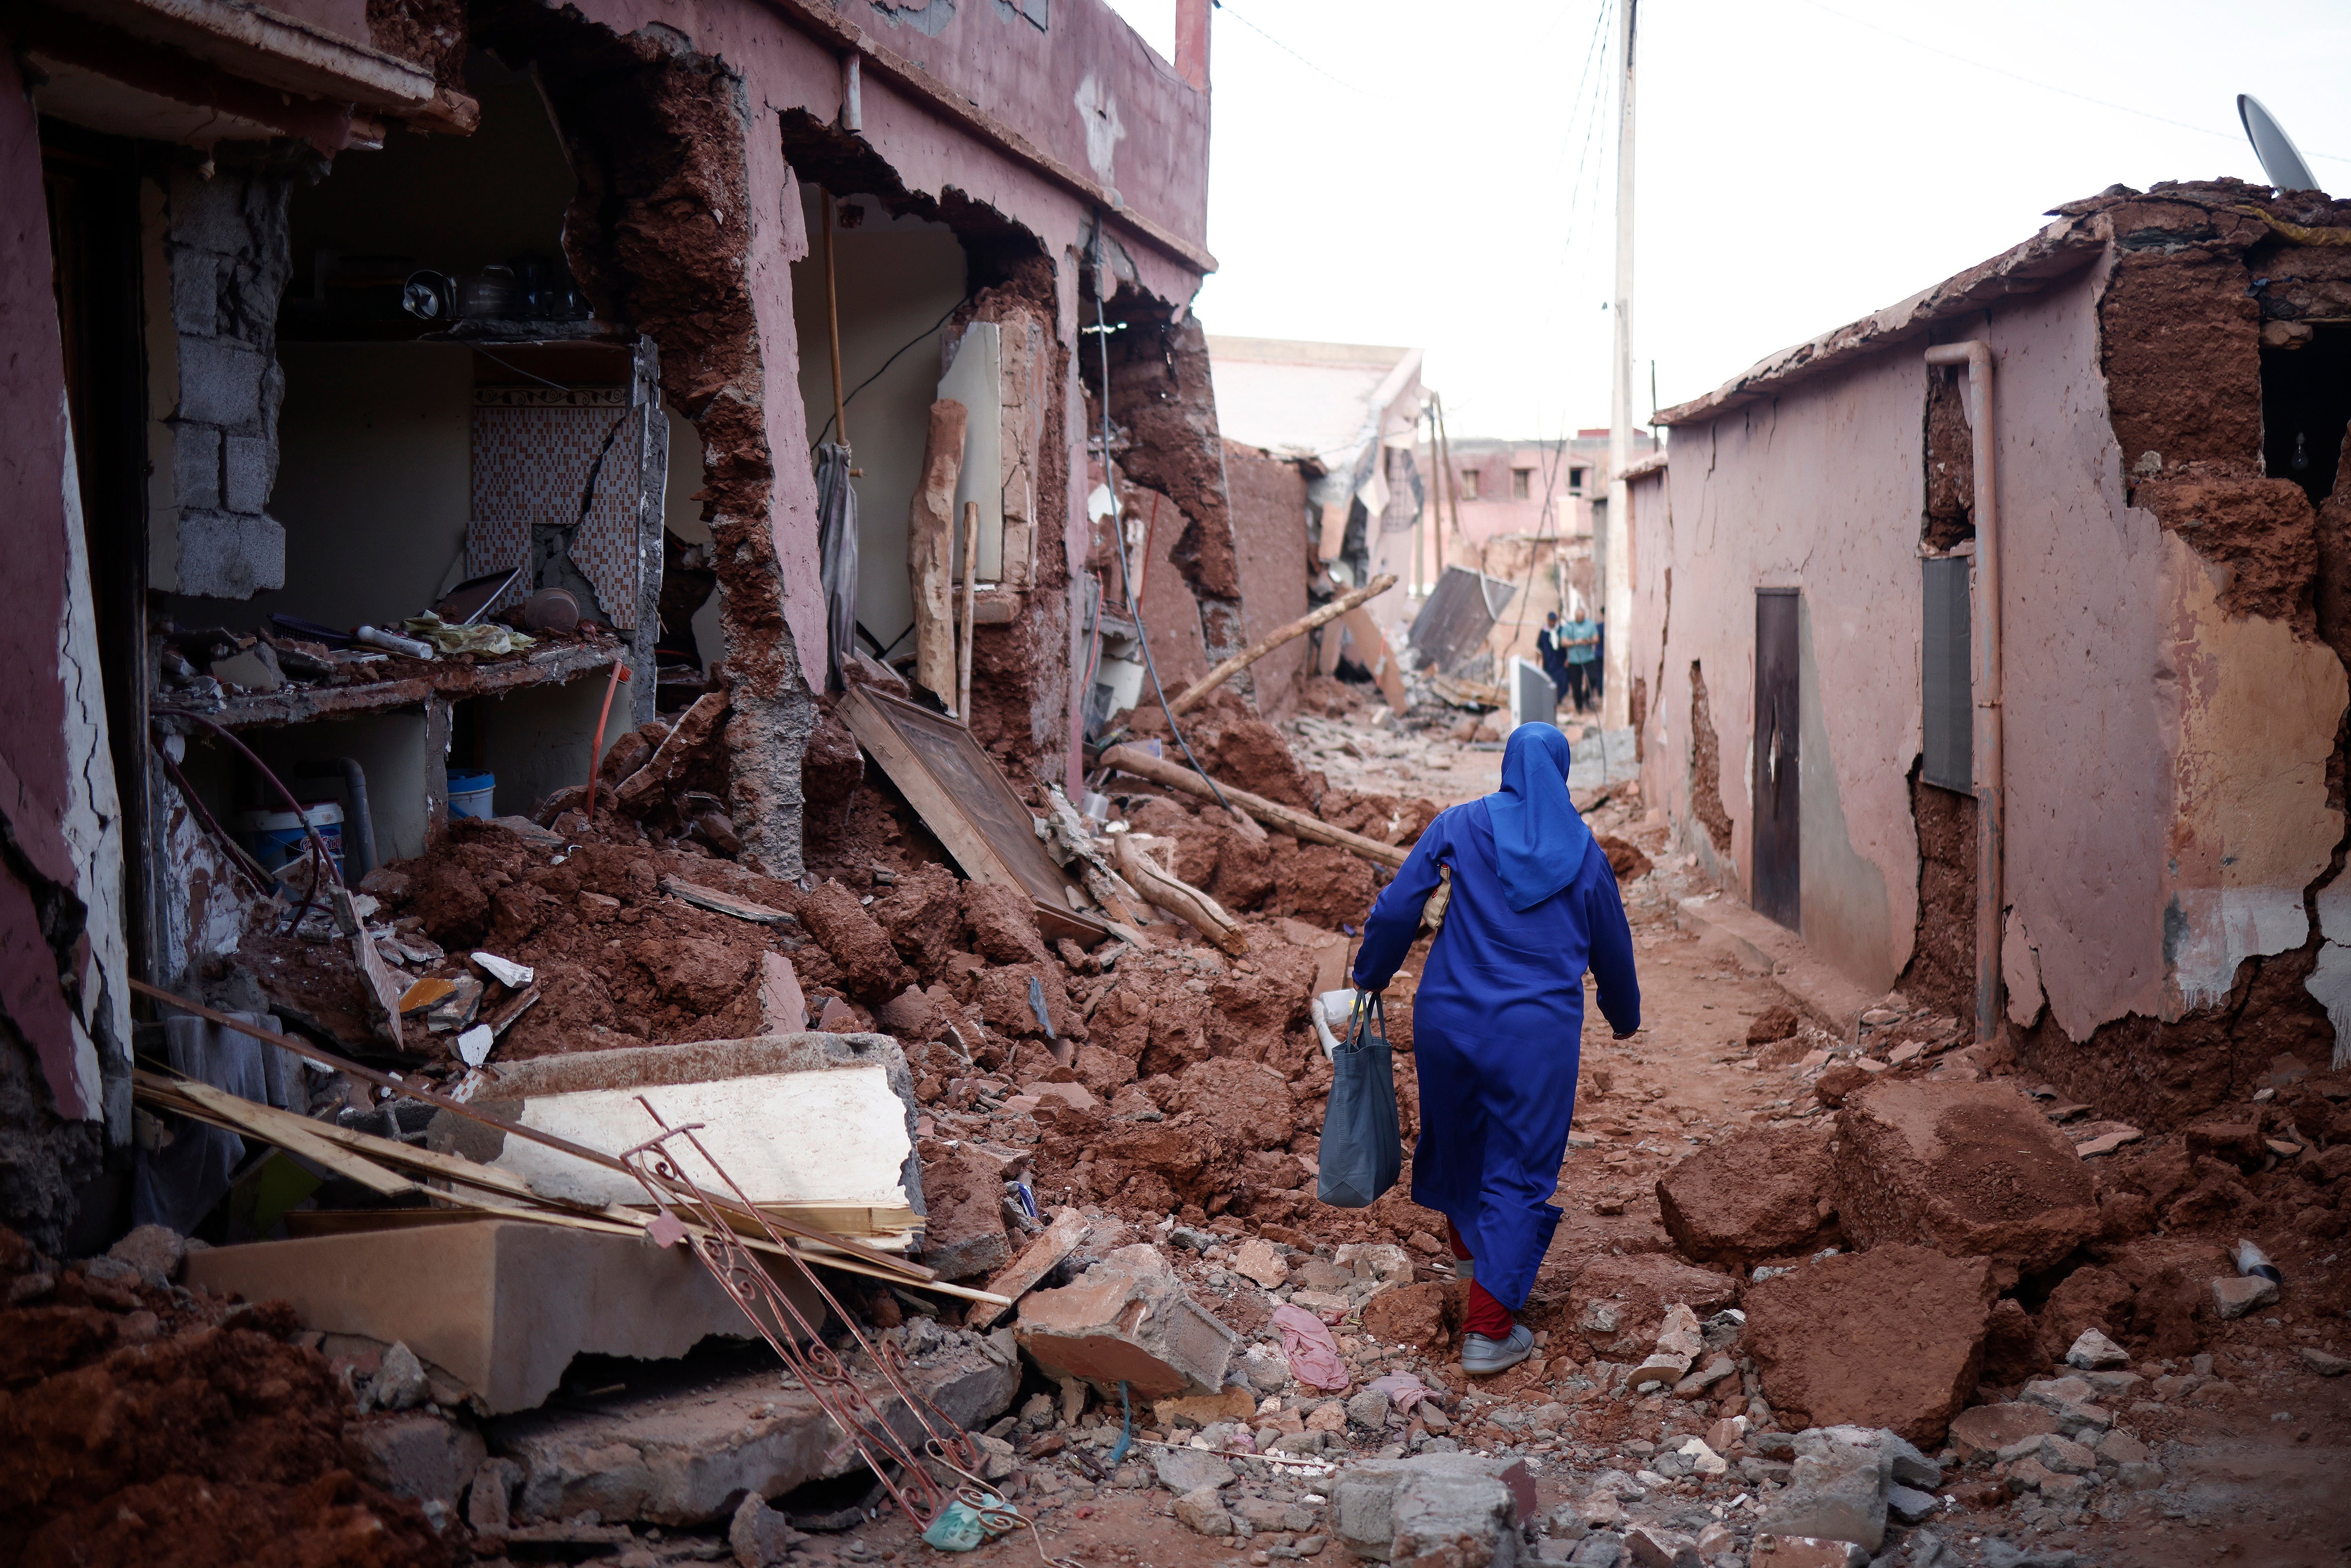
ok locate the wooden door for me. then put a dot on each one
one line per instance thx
(1778, 888)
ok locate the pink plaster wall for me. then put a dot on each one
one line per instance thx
(35, 793)
(2164, 762)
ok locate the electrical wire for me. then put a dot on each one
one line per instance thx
(885, 365)
(2048, 87)
(518, 370)
(1102, 337)
(1294, 55)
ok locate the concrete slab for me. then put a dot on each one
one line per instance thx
(685, 1443)
(501, 1305)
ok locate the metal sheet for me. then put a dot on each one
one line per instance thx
(1461, 610)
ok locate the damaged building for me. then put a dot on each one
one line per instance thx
(1995, 642)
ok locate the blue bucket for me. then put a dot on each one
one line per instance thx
(469, 794)
(276, 839)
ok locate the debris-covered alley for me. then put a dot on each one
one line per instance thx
(692, 785)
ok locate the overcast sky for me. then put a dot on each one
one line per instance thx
(1385, 173)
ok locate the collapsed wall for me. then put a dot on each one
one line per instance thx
(2210, 294)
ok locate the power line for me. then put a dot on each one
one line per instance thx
(2047, 86)
(1294, 53)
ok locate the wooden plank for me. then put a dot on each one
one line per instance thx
(1143, 764)
(1372, 653)
(720, 902)
(930, 541)
(224, 1109)
(1191, 695)
(965, 800)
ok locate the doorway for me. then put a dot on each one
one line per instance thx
(1778, 882)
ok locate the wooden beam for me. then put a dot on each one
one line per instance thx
(1191, 694)
(1373, 652)
(930, 549)
(1162, 887)
(1273, 814)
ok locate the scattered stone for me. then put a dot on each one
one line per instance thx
(2094, 1351)
(2072, 1400)
(1971, 1169)
(1892, 1337)
(2234, 1297)
(1369, 1408)
(1598, 1551)
(1201, 1511)
(1188, 1471)
(2065, 1457)
(760, 1536)
(2121, 1448)
(1910, 1505)
(1463, 1508)
(1660, 1371)
(489, 1503)
(1419, 1316)
(1257, 1260)
(1697, 1384)
(1703, 1459)
(1984, 1430)
(1774, 1550)
(399, 1382)
(155, 1251)
(1837, 1488)
(2326, 1364)
(1618, 1302)
(1679, 1335)
(1653, 1546)
(419, 1454)
(1777, 1021)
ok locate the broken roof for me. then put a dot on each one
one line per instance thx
(1323, 400)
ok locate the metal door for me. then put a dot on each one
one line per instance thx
(1778, 795)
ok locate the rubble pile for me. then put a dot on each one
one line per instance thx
(147, 1422)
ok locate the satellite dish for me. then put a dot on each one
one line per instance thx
(2280, 161)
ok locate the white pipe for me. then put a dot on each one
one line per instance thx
(1984, 624)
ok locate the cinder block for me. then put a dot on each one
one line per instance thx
(195, 291)
(197, 465)
(1424, 1507)
(223, 556)
(249, 471)
(220, 381)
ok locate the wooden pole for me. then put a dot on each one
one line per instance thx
(930, 549)
(1191, 695)
(1143, 764)
(970, 585)
(1444, 459)
(832, 318)
(1617, 583)
(1164, 888)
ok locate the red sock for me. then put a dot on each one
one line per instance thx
(1481, 1314)
(1453, 1239)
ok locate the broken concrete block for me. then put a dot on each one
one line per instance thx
(1774, 1550)
(1847, 1507)
(2120, 1449)
(419, 1454)
(687, 1449)
(1369, 1408)
(1980, 1433)
(1972, 1169)
(1697, 1384)
(963, 1188)
(1403, 1510)
(1910, 1505)
(1679, 1335)
(1598, 1551)
(1127, 1319)
(1703, 1459)
(2072, 1400)
(1660, 1371)
(489, 1503)
(155, 1251)
(1618, 1302)
(1655, 1546)
(547, 1295)
(2093, 1352)
(759, 1535)
(1892, 1337)
(1755, 1194)
(1183, 1469)
(1257, 1260)
(400, 1381)
(2233, 1298)
(1384, 1262)
(1201, 1512)
(2065, 1457)
(783, 1007)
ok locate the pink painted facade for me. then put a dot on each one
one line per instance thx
(2167, 739)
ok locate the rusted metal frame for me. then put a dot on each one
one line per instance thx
(821, 1371)
(820, 23)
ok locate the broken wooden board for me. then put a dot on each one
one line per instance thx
(719, 903)
(1020, 1276)
(964, 799)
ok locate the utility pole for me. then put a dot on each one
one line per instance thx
(1616, 589)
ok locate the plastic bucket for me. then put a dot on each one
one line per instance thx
(469, 794)
(276, 839)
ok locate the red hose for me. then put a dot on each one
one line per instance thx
(596, 753)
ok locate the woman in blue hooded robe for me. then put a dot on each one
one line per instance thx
(1497, 1019)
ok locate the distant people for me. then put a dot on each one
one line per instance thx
(1581, 638)
(1553, 656)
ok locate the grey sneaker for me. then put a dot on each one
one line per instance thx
(1483, 1357)
(1465, 1270)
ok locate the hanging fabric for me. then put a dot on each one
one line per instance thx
(836, 522)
